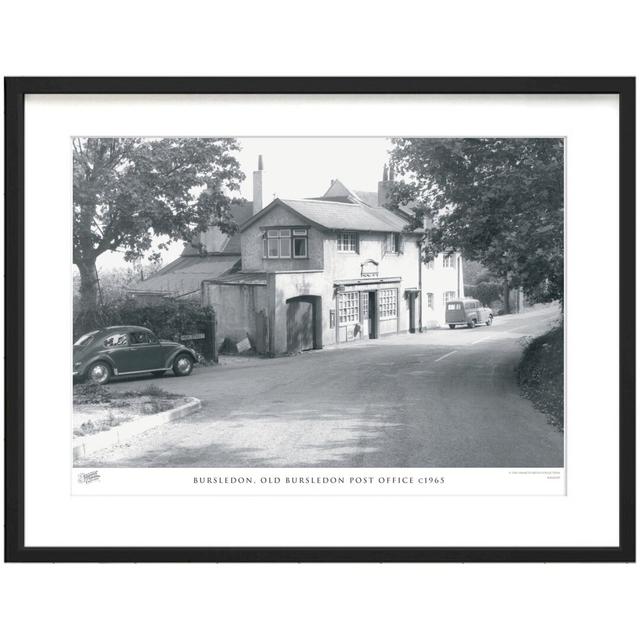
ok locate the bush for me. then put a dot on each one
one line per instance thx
(169, 319)
(488, 292)
(152, 390)
(541, 374)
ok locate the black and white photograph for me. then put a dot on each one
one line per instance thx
(356, 318)
(320, 320)
(318, 302)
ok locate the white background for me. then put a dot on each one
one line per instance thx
(587, 516)
(191, 38)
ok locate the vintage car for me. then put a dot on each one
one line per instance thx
(467, 311)
(125, 350)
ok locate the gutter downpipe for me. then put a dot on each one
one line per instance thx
(420, 285)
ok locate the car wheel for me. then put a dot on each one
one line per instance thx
(100, 373)
(452, 326)
(158, 374)
(490, 321)
(183, 365)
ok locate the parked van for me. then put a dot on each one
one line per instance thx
(467, 311)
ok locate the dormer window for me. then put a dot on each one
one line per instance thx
(347, 242)
(285, 243)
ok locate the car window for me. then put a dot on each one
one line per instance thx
(85, 340)
(453, 305)
(116, 340)
(142, 337)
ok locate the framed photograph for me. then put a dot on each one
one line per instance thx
(320, 319)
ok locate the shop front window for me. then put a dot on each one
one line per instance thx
(348, 307)
(388, 303)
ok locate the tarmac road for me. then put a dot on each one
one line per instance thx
(442, 398)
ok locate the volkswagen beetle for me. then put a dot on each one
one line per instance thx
(125, 350)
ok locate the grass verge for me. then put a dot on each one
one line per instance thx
(541, 374)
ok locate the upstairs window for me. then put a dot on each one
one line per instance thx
(347, 242)
(447, 262)
(299, 243)
(285, 243)
(392, 244)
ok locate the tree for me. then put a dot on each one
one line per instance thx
(129, 191)
(496, 200)
(114, 283)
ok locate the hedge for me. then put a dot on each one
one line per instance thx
(168, 319)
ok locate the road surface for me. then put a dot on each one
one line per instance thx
(442, 398)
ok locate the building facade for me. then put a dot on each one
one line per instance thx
(340, 268)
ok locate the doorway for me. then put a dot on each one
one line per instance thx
(303, 324)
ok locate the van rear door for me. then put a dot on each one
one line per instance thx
(454, 312)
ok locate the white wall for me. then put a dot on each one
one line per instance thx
(437, 280)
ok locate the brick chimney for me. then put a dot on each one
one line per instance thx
(258, 186)
(384, 185)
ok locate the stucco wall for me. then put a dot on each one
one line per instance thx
(236, 308)
(291, 285)
(371, 246)
(438, 280)
(253, 251)
(238, 305)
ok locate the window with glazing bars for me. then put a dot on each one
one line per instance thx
(388, 303)
(429, 300)
(348, 307)
(285, 243)
(448, 295)
(347, 242)
(392, 243)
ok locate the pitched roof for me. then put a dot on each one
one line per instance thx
(368, 197)
(243, 277)
(241, 212)
(185, 275)
(328, 214)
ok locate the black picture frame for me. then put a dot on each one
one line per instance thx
(15, 91)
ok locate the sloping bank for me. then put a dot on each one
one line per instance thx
(541, 374)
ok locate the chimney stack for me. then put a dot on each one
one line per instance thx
(258, 186)
(384, 185)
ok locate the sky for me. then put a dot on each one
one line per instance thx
(297, 168)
